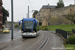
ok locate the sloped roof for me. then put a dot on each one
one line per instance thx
(48, 7)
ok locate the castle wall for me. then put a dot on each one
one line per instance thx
(55, 16)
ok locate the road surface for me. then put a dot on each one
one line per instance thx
(5, 37)
(47, 40)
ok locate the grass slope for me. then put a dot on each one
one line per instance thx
(63, 27)
(69, 47)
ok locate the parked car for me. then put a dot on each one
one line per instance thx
(6, 30)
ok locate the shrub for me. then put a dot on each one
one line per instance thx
(44, 28)
(16, 26)
(37, 28)
(71, 40)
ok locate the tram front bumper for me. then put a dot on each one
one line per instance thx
(29, 34)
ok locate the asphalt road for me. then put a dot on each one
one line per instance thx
(6, 37)
(47, 40)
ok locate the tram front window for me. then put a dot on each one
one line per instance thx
(28, 25)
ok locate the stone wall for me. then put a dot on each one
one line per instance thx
(55, 16)
(43, 16)
(61, 13)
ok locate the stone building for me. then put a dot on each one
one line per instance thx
(1, 15)
(44, 14)
(48, 15)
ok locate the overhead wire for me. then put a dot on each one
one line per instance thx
(46, 1)
(31, 4)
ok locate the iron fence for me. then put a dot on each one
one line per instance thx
(62, 32)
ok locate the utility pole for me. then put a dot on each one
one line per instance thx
(12, 19)
(74, 2)
(28, 11)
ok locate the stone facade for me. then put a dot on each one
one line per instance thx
(60, 13)
(1, 15)
(54, 16)
(44, 14)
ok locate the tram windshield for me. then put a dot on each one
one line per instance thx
(28, 24)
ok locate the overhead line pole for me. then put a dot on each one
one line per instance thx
(74, 2)
(28, 11)
(12, 19)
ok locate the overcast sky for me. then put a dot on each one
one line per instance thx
(21, 6)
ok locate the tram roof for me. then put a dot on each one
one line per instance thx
(29, 19)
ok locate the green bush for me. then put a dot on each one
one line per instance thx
(20, 27)
(44, 28)
(16, 26)
(37, 28)
(71, 40)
